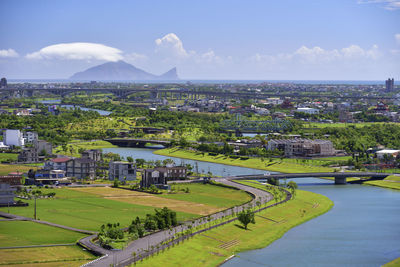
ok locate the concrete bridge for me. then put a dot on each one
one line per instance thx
(340, 177)
(137, 142)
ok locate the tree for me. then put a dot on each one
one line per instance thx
(292, 187)
(246, 217)
(140, 162)
(116, 183)
(129, 159)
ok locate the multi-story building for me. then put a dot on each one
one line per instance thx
(300, 147)
(30, 137)
(122, 171)
(43, 147)
(160, 175)
(13, 138)
(29, 155)
(81, 168)
(57, 164)
(94, 154)
(389, 85)
(6, 194)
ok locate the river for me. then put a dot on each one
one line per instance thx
(58, 101)
(362, 229)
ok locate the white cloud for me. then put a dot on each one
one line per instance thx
(171, 44)
(8, 53)
(78, 51)
(318, 55)
(387, 4)
(397, 37)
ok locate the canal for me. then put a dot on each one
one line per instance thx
(362, 229)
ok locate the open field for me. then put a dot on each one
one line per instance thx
(214, 246)
(391, 181)
(274, 164)
(210, 195)
(8, 156)
(85, 210)
(90, 207)
(7, 168)
(25, 233)
(202, 199)
(45, 256)
(393, 263)
(76, 145)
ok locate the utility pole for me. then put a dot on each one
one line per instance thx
(35, 207)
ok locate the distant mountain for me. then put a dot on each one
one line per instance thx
(121, 70)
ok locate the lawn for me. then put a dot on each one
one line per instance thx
(214, 246)
(45, 256)
(77, 144)
(25, 233)
(273, 164)
(391, 181)
(8, 157)
(5, 169)
(342, 124)
(85, 210)
(211, 195)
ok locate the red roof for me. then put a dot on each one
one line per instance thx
(60, 160)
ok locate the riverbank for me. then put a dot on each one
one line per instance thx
(276, 165)
(392, 182)
(214, 246)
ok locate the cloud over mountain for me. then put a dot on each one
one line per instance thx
(78, 51)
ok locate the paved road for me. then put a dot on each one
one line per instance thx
(120, 257)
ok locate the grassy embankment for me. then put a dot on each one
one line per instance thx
(7, 168)
(25, 233)
(214, 246)
(8, 157)
(391, 181)
(393, 263)
(78, 144)
(88, 208)
(273, 164)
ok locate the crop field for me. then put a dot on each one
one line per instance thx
(84, 210)
(45, 256)
(210, 195)
(202, 199)
(90, 207)
(7, 168)
(25, 233)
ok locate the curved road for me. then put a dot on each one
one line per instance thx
(122, 257)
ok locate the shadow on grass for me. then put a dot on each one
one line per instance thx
(241, 227)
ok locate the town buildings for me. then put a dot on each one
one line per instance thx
(121, 171)
(13, 138)
(389, 85)
(160, 175)
(300, 147)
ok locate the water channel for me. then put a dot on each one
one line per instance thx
(362, 229)
(58, 102)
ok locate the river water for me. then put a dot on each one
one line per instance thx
(362, 229)
(58, 101)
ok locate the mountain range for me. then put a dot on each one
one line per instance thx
(121, 70)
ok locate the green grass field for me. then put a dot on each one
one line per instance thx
(8, 157)
(45, 256)
(214, 246)
(89, 208)
(210, 194)
(84, 210)
(393, 263)
(286, 165)
(77, 144)
(25, 233)
(342, 125)
(391, 181)
(7, 168)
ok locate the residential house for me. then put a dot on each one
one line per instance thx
(6, 194)
(29, 155)
(43, 147)
(13, 138)
(57, 164)
(94, 154)
(121, 171)
(30, 137)
(81, 168)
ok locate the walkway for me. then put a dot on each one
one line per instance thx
(123, 257)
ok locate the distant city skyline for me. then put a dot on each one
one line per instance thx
(238, 40)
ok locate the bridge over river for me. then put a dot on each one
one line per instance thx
(340, 177)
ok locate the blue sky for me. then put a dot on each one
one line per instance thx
(226, 39)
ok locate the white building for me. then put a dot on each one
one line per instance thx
(390, 152)
(121, 170)
(6, 194)
(308, 110)
(30, 137)
(13, 138)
